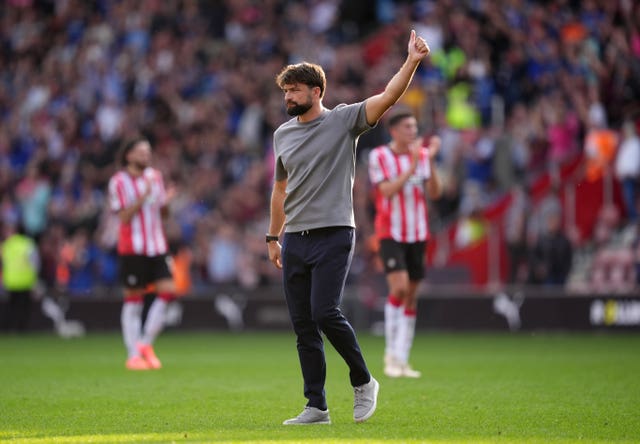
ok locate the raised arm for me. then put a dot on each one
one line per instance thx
(377, 105)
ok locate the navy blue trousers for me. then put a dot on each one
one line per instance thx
(315, 265)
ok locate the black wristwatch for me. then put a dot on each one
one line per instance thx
(271, 238)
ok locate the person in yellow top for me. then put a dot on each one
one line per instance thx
(20, 266)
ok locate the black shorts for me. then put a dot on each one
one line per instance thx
(140, 271)
(397, 256)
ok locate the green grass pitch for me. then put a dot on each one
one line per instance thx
(238, 388)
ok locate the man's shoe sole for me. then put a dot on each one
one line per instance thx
(307, 423)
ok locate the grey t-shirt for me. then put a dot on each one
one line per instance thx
(318, 159)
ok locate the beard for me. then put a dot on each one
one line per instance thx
(298, 109)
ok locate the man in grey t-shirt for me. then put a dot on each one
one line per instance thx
(312, 200)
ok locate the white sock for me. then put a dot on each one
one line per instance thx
(155, 321)
(392, 316)
(131, 322)
(406, 332)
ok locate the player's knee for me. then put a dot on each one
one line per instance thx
(401, 292)
(411, 304)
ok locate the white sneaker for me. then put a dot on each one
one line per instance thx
(365, 399)
(310, 415)
(392, 369)
(408, 372)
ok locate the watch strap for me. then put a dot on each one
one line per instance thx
(271, 238)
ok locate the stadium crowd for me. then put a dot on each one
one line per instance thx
(513, 87)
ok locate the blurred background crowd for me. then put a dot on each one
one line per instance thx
(515, 88)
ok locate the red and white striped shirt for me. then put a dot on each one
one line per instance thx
(143, 234)
(402, 216)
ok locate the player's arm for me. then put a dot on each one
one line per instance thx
(276, 220)
(377, 105)
(433, 186)
(126, 214)
(390, 187)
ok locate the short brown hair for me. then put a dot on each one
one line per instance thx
(306, 73)
(398, 117)
(127, 146)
